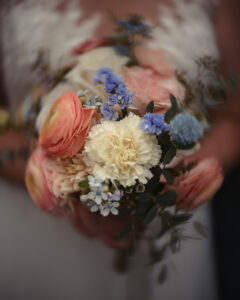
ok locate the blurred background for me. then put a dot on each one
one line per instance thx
(45, 258)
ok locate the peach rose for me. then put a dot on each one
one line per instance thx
(66, 127)
(199, 184)
(37, 185)
(147, 85)
(154, 80)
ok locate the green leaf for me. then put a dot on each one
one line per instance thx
(167, 199)
(145, 197)
(150, 215)
(157, 254)
(175, 107)
(168, 176)
(179, 219)
(170, 154)
(162, 275)
(84, 184)
(175, 242)
(200, 229)
(169, 115)
(150, 107)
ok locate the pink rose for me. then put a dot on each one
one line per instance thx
(37, 185)
(65, 129)
(153, 82)
(155, 59)
(199, 184)
(88, 45)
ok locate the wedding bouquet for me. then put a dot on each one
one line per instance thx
(116, 137)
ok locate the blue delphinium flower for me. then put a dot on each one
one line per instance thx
(117, 90)
(185, 129)
(108, 113)
(154, 123)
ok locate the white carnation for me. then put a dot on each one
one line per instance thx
(122, 151)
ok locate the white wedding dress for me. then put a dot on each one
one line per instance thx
(43, 257)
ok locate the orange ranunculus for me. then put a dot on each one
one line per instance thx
(37, 185)
(66, 126)
(199, 184)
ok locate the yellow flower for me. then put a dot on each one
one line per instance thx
(121, 151)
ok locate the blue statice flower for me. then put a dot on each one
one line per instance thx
(109, 207)
(108, 113)
(154, 123)
(185, 129)
(117, 90)
(103, 75)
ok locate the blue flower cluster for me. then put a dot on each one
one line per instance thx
(185, 129)
(134, 27)
(107, 112)
(154, 123)
(116, 88)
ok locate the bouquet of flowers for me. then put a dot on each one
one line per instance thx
(115, 139)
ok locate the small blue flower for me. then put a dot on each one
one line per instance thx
(94, 207)
(114, 197)
(94, 182)
(185, 129)
(97, 195)
(108, 113)
(154, 123)
(109, 207)
(92, 101)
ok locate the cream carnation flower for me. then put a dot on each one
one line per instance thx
(122, 151)
(64, 175)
